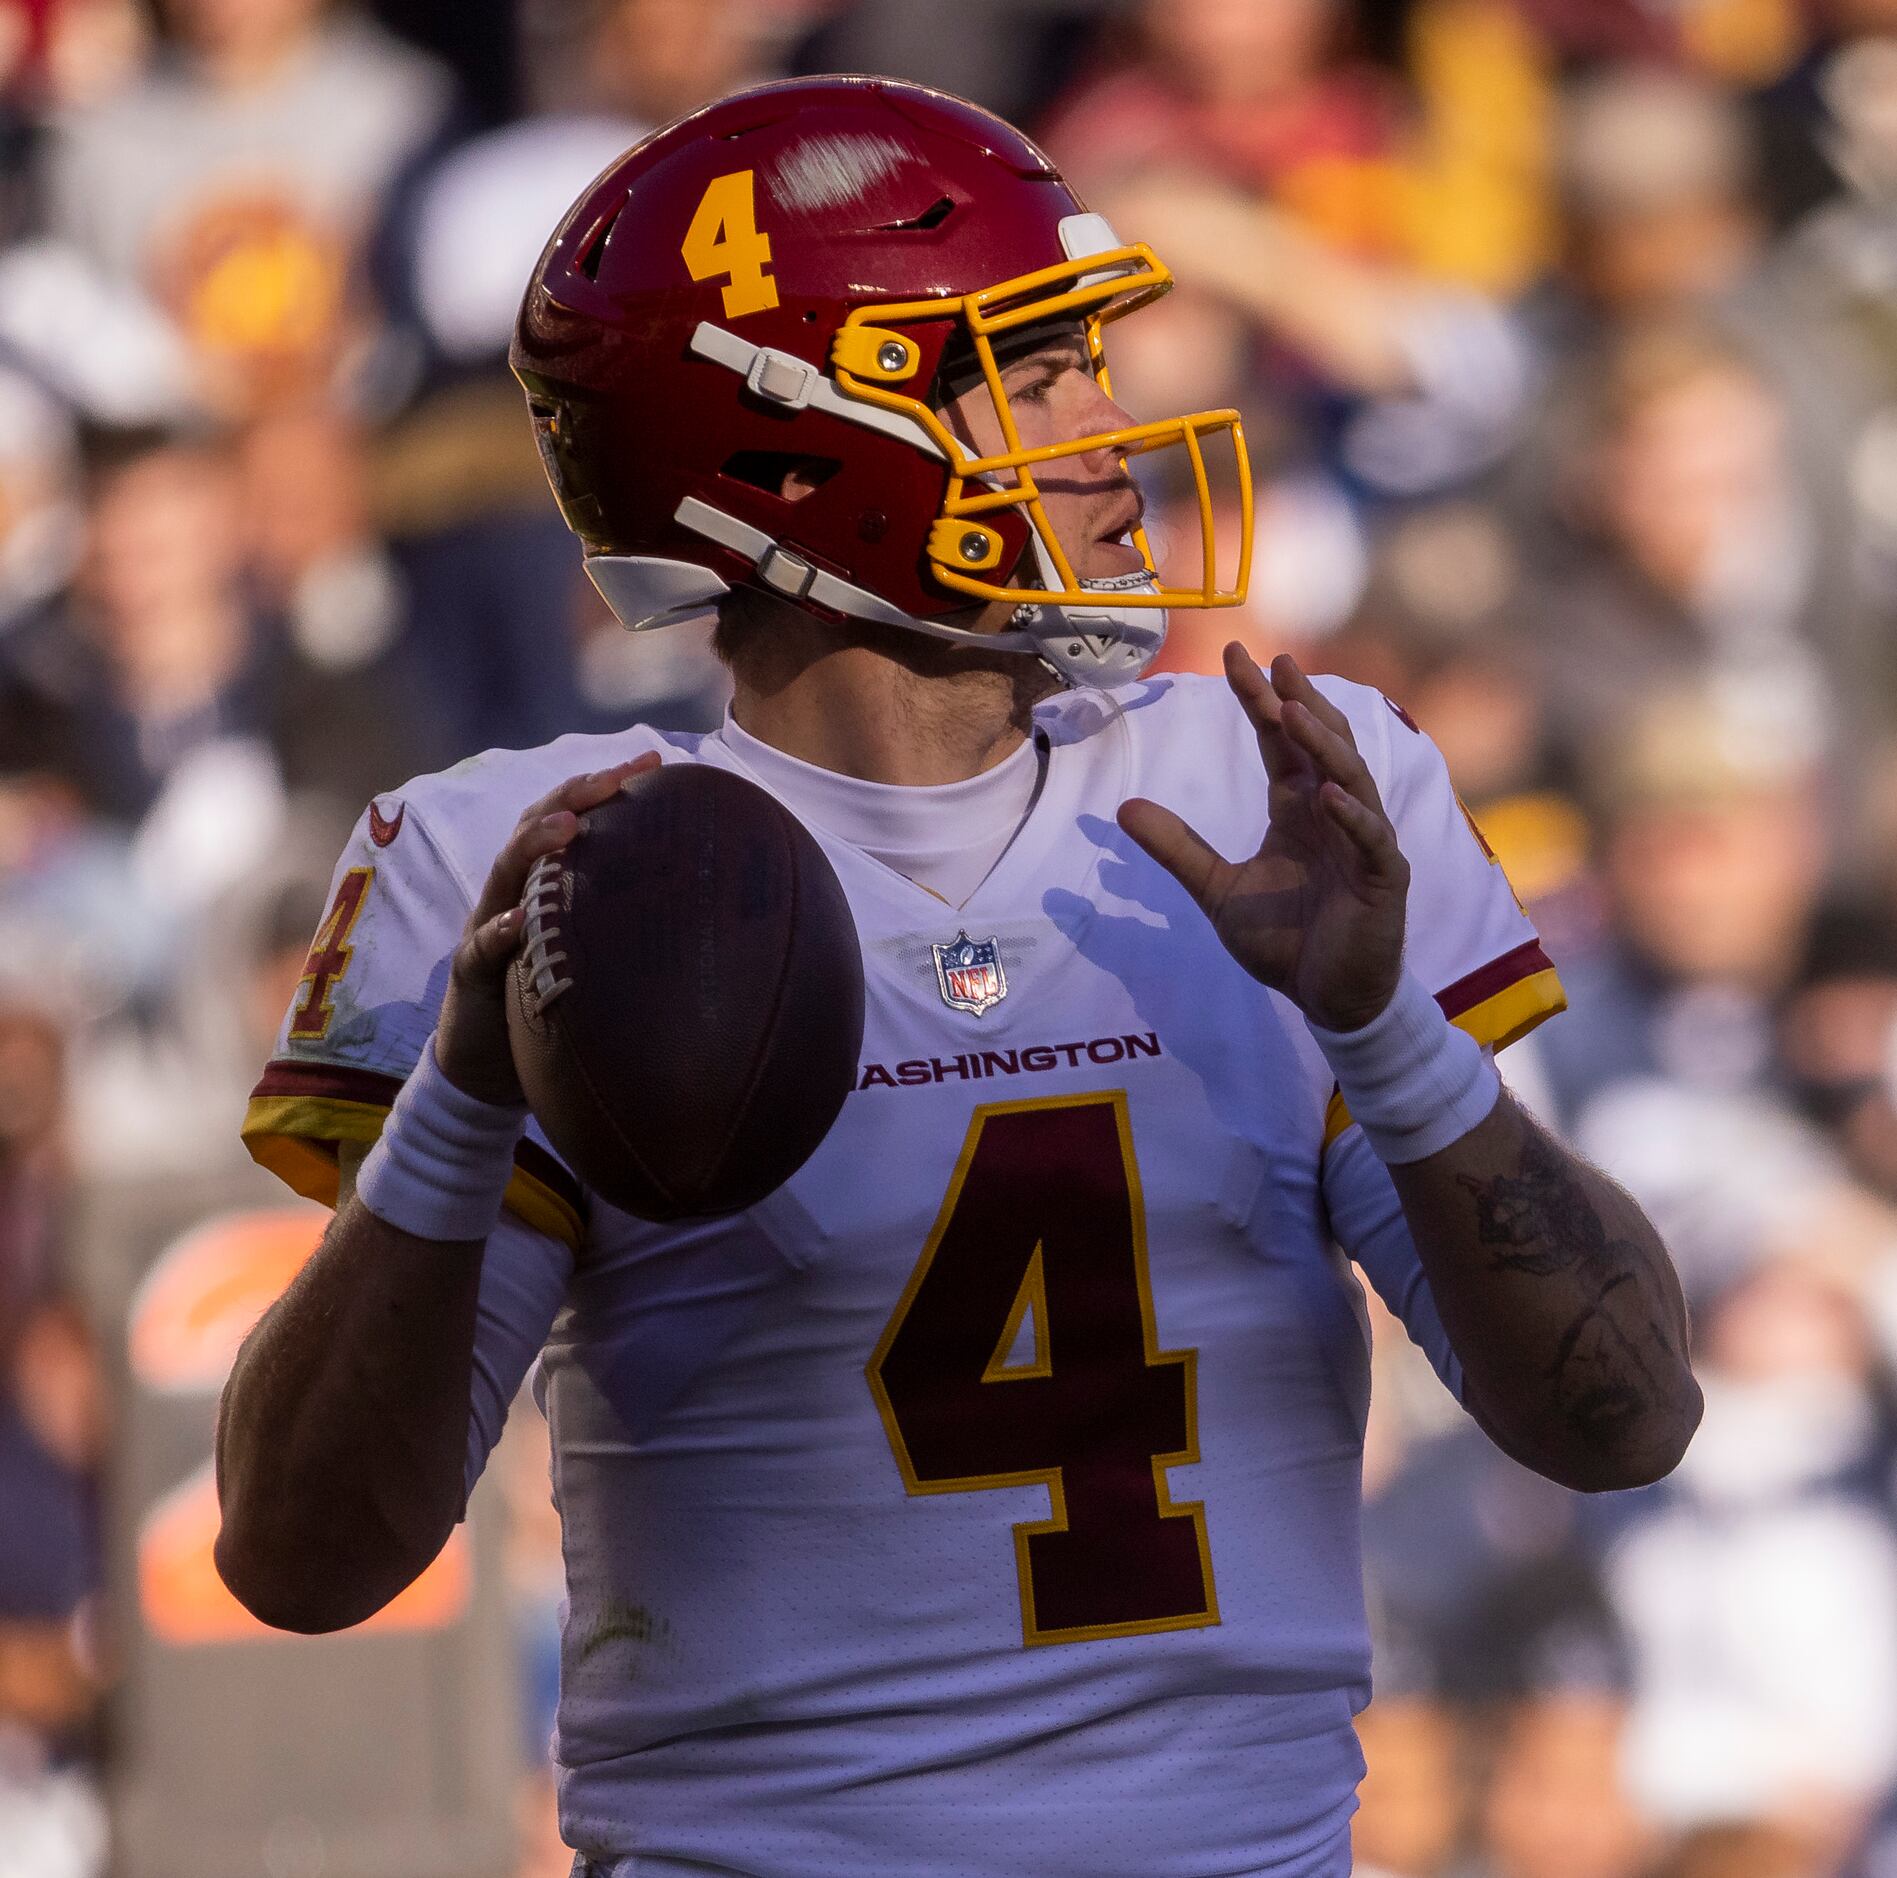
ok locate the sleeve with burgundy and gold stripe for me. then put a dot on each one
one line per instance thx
(1466, 936)
(371, 989)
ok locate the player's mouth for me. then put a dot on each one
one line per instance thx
(1113, 550)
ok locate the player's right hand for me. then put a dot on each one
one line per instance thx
(471, 1034)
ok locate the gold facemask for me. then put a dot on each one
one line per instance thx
(870, 358)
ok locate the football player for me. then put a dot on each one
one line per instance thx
(986, 1500)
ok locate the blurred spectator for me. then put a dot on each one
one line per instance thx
(1762, 1591)
(32, 1165)
(1835, 275)
(1557, 1803)
(51, 1431)
(1740, 43)
(1501, 1671)
(1715, 841)
(462, 233)
(1434, 630)
(157, 672)
(517, 645)
(185, 712)
(160, 1090)
(41, 522)
(1838, 261)
(1013, 56)
(1837, 1037)
(1666, 255)
(66, 53)
(1656, 177)
(1281, 175)
(233, 182)
(1273, 98)
(1693, 548)
(1409, 1822)
(73, 933)
(357, 707)
(1713, 856)
(1430, 378)
(1749, 1851)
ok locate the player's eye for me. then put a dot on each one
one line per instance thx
(1038, 389)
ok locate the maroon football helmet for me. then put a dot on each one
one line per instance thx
(775, 281)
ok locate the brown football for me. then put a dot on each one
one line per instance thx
(686, 1008)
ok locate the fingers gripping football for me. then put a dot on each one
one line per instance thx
(471, 1034)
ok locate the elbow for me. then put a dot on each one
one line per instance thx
(297, 1601)
(1601, 1455)
(302, 1592)
(271, 1595)
(1642, 1455)
(1663, 1446)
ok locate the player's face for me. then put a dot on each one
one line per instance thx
(1091, 500)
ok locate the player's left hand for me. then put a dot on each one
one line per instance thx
(1317, 912)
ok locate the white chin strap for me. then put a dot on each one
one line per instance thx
(1089, 647)
(1096, 646)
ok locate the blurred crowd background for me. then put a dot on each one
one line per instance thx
(1566, 336)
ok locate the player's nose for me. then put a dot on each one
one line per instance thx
(1101, 415)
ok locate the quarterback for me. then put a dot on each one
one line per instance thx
(984, 1501)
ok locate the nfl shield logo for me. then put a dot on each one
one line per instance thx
(969, 972)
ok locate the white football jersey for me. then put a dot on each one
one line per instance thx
(986, 1500)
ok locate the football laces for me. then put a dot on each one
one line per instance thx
(540, 933)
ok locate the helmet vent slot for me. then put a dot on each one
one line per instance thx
(933, 216)
(595, 248)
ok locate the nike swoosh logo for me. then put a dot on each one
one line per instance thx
(383, 829)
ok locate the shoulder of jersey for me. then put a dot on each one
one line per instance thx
(470, 809)
(1372, 715)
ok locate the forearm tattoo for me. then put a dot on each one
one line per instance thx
(1616, 1360)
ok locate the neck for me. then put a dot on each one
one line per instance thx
(883, 705)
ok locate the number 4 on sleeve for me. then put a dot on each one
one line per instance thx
(330, 953)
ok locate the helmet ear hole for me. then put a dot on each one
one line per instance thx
(777, 471)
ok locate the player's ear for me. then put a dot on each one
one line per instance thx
(801, 474)
(786, 473)
(798, 482)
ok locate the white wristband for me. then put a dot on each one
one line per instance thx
(1410, 1078)
(444, 1160)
